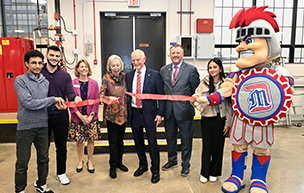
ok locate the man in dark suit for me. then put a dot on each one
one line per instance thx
(145, 113)
(179, 78)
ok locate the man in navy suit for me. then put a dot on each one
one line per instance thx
(145, 113)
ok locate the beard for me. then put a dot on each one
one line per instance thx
(49, 62)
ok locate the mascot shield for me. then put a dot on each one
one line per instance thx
(261, 96)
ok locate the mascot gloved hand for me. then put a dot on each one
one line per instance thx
(260, 93)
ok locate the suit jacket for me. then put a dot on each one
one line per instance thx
(153, 84)
(93, 92)
(186, 82)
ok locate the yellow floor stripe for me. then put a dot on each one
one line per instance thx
(197, 118)
(13, 121)
(130, 144)
(130, 131)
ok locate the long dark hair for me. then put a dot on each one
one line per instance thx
(222, 75)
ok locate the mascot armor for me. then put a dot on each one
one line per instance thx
(254, 87)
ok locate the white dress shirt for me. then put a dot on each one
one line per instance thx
(173, 69)
(142, 74)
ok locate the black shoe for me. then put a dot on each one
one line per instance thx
(123, 168)
(169, 166)
(185, 171)
(79, 169)
(90, 170)
(140, 171)
(155, 178)
(113, 173)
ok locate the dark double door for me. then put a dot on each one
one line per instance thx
(121, 33)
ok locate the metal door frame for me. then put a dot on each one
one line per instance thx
(135, 15)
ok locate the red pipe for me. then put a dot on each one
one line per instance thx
(190, 19)
(95, 60)
(74, 5)
(181, 16)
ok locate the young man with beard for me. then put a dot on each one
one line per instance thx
(60, 86)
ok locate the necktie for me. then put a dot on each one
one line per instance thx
(174, 75)
(138, 88)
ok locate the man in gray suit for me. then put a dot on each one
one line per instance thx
(179, 78)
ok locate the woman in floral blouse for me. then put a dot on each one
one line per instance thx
(113, 87)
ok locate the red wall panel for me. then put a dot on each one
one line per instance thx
(204, 26)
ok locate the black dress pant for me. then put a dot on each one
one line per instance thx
(24, 141)
(59, 123)
(213, 145)
(115, 136)
(137, 124)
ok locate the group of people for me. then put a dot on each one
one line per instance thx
(41, 94)
(44, 88)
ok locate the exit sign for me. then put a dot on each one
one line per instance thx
(133, 3)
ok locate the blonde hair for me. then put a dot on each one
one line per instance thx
(78, 64)
(110, 60)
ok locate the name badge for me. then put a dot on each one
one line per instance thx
(76, 86)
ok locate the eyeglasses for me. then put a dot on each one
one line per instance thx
(36, 63)
(252, 32)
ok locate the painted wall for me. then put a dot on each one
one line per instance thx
(85, 30)
(201, 9)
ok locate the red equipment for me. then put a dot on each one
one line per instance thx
(204, 25)
(12, 65)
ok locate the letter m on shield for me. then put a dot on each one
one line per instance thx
(259, 98)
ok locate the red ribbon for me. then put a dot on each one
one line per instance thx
(139, 96)
(90, 102)
(162, 97)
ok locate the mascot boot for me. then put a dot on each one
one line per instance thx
(235, 182)
(258, 176)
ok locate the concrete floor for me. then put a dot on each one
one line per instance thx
(286, 171)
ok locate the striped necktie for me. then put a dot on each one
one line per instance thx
(138, 88)
(174, 75)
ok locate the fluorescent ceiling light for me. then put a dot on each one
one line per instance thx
(40, 1)
(19, 31)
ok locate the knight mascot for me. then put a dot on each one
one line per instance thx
(260, 94)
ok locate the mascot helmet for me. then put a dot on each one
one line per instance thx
(257, 23)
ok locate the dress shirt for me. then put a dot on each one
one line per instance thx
(173, 70)
(142, 74)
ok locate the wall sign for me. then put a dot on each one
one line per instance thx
(133, 3)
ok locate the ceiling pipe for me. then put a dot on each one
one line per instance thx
(95, 60)
(74, 11)
(57, 10)
(181, 17)
(58, 35)
(190, 14)
(4, 30)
